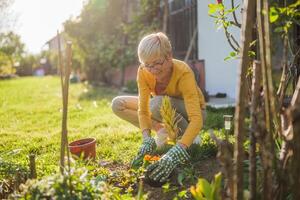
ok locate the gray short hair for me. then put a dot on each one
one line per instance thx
(154, 46)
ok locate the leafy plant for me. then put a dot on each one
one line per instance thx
(10, 175)
(214, 119)
(131, 86)
(170, 119)
(284, 17)
(221, 14)
(78, 184)
(207, 191)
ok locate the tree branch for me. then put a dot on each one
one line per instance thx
(228, 36)
(236, 23)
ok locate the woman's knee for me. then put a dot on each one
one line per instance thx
(118, 104)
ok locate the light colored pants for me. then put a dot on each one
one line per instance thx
(126, 107)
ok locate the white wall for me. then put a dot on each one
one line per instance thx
(220, 75)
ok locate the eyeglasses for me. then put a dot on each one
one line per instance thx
(155, 64)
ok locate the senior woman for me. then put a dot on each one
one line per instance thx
(160, 75)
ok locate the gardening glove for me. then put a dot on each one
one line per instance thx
(161, 170)
(148, 146)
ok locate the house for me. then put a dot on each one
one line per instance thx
(210, 47)
(53, 43)
(52, 46)
(188, 18)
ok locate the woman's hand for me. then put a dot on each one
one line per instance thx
(161, 170)
(148, 146)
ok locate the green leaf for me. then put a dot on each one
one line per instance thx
(166, 186)
(273, 15)
(196, 194)
(253, 43)
(227, 58)
(205, 188)
(232, 54)
(216, 186)
(180, 178)
(251, 53)
(182, 193)
(278, 29)
(213, 8)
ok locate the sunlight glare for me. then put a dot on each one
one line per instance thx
(38, 20)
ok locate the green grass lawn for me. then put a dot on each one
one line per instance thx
(30, 121)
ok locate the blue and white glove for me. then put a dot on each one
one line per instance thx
(148, 146)
(161, 170)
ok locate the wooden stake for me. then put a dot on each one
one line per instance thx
(32, 166)
(246, 38)
(252, 151)
(267, 148)
(17, 180)
(62, 143)
(64, 77)
(67, 77)
(273, 103)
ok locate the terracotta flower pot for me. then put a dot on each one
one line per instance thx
(86, 146)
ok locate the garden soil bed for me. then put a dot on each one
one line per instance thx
(203, 169)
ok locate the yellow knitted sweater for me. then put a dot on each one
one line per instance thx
(182, 85)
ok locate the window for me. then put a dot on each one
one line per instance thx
(182, 22)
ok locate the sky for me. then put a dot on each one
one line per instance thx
(37, 21)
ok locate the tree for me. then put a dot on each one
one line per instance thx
(11, 49)
(274, 124)
(103, 39)
(95, 37)
(4, 15)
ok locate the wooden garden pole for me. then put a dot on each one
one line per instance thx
(246, 38)
(61, 67)
(64, 76)
(17, 180)
(273, 102)
(67, 78)
(32, 166)
(254, 110)
(264, 147)
(271, 119)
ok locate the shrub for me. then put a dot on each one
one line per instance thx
(206, 149)
(79, 184)
(131, 86)
(214, 118)
(10, 174)
(9, 169)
